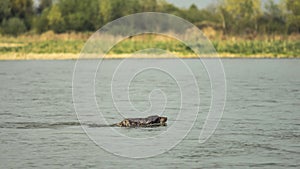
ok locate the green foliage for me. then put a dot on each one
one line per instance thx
(22, 8)
(293, 6)
(41, 23)
(293, 18)
(43, 4)
(134, 46)
(5, 8)
(148, 5)
(286, 48)
(50, 46)
(239, 16)
(233, 17)
(55, 20)
(273, 20)
(241, 48)
(13, 26)
(106, 10)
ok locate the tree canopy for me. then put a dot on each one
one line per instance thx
(231, 16)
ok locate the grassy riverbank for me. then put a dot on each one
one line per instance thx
(68, 46)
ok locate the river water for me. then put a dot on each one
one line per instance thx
(259, 128)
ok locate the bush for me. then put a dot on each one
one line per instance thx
(40, 23)
(13, 26)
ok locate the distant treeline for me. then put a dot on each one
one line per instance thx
(232, 17)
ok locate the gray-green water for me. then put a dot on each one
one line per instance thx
(259, 128)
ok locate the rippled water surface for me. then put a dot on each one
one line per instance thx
(259, 128)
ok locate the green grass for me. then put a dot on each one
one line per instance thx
(51, 46)
(255, 47)
(242, 48)
(134, 46)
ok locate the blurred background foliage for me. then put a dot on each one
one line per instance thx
(227, 17)
(236, 28)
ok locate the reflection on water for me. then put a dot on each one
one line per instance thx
(260, 126)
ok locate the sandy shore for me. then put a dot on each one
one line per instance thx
(73, 56)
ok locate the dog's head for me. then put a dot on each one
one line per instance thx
(163, 120)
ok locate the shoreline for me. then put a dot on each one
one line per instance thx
(73, 56)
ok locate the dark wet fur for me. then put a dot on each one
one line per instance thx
(150, 121)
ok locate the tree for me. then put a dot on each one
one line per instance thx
(106, 10)
(13, 26)
(43, 4)
(148, 5)
(5, 9)
(293, 6)
(193, 14)
(239, 16)
(41, 22)
(166, 7)
(55, 20)
(273, 20)
(22, 8)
